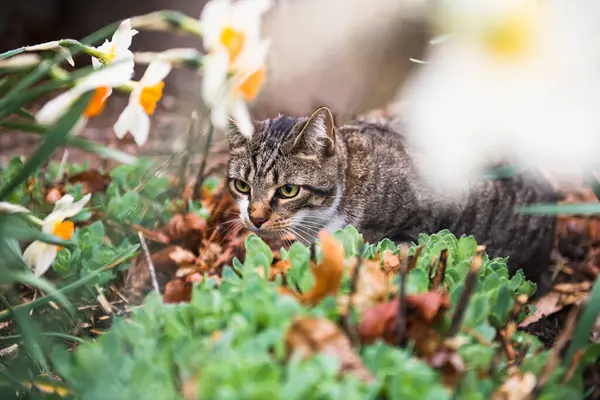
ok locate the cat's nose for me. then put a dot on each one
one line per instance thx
(258, 221)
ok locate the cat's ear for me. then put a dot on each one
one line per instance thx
(234, 136)
(317, 134)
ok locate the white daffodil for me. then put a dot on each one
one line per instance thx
(101, 81)
(40, 255)
(146, 93)
(117, 49)
(228, 93)
(516, 80)
(235, 64)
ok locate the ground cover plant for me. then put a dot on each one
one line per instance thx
(135, 280)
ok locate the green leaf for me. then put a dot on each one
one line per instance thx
(590, 208)
(586, 322)
(11, 53)
(128, 253)
(52, 140)
(29, 332)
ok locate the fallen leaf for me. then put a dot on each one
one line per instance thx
(138, 276)
(53, 195)
(561, 296)
(328, 274)
(310, 336)
(517, 387)
(373, 285)
(91, 181)
(177, 291)
(181, 226)
(449, 364)
(422, 311)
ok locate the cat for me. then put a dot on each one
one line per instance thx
(302, 175)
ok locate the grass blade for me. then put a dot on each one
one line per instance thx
(11, 53)
(29, 279)
(591, 208)
(74, 141)
(585, 326)
(31, 338)
(594, 184)
(53, 139)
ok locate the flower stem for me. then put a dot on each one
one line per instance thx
(89, 50)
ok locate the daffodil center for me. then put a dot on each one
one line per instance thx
(111, 53)
(150, 96)
(233, 41)
(63, 230)
(510, 37)
(97, 102)
(250, 86)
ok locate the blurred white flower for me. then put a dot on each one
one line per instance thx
(234, 69)
(117, 49)
(516, 80)
(135, 118)
(101, 81)
(40, 255)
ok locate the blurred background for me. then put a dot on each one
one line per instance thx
(351, 55)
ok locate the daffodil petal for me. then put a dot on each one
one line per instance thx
(218, 115)
(215, 15)
(65, 208)
(53, 110)
(122, 37)
(242, 118)
(246, 14)
(156, 72)
(214, 75)
(40, 256)
(113, 75)
(134, 120)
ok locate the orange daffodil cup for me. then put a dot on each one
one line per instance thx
(234, 68)
(146, 93)
(40, 255)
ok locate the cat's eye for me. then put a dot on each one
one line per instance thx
(241, 186)
(288, 191)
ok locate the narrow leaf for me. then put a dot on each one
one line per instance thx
(53, 139)
(562, 209)
(586, 322)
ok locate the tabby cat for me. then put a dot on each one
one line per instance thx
(301, 175)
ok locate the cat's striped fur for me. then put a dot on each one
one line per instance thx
(362, 174)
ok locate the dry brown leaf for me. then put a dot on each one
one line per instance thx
(182, 225)
(91, 181)
(373, 286)
(310, 336)
(561, 296)
(177, 291)
(138, 276)
(328, 274)
(182, 256)
(53, 195)
(517, 387)
(450, 365)
(422, 310)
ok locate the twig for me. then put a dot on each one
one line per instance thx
(412, 264)
(440, 270)
(187, 154)
(200, 177)
(554, 356)
(61, 167)
(346, 324)
(149, 261)
(402, 310)
(463, 302)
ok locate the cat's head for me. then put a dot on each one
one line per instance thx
(286, 177)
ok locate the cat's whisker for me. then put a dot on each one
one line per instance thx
(301, 232)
